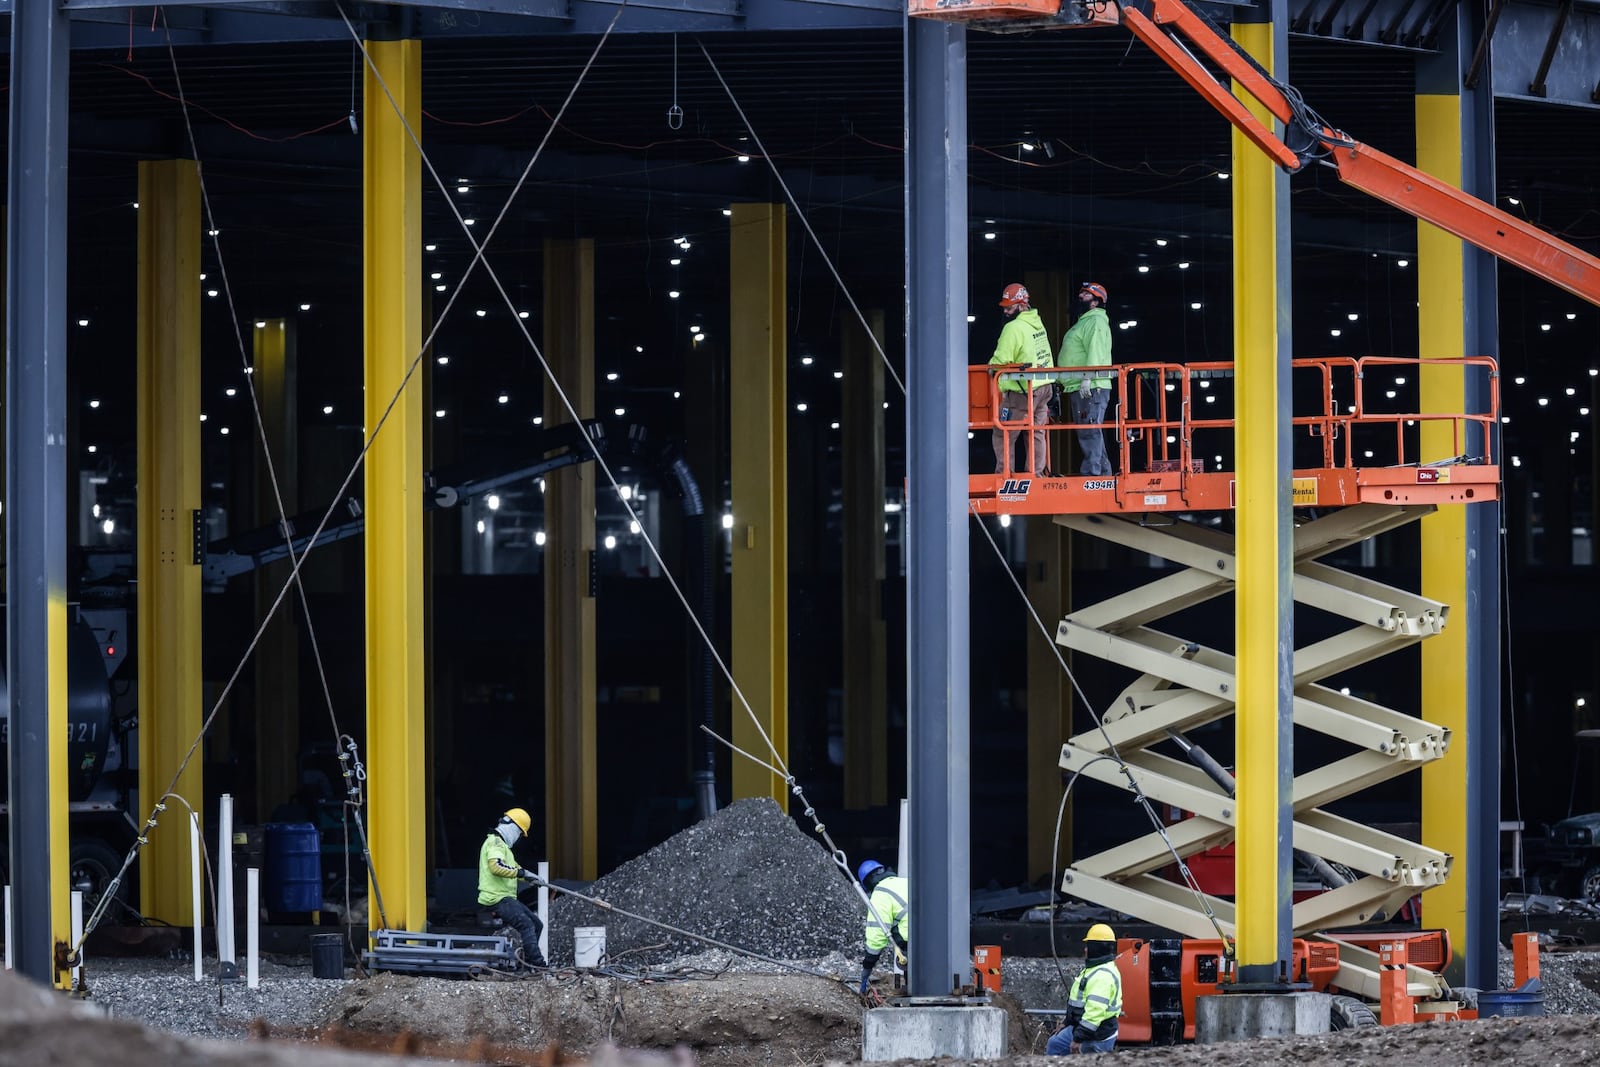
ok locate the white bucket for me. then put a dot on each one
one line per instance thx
(588, 945)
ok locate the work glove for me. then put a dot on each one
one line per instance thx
(866, 978)
(528, 875)
(1084, 388)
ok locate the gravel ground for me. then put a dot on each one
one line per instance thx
(747, 876)
(164, 993)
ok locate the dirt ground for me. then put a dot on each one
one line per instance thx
(733, 1020)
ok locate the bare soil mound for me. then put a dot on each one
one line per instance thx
(735, 1019)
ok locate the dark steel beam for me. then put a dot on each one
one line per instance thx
(1544, 52)
(36, 473)
(938, 626)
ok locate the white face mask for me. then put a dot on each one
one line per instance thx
(509, 831)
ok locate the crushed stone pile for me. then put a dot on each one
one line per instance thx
(747, 876)
(1570, 981)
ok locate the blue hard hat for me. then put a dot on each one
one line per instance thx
(866, 868)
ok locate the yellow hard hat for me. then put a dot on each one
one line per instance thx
(1100, 932)
(521, 818)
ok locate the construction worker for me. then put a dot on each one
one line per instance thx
(1022, 340)
(497, 882)
(888, 915)
(1088, 344)
(1094, 1002)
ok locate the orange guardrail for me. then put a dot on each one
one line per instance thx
(1352, 440)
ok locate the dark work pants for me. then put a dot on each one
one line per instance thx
(519, 916)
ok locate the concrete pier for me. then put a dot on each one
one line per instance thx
(976, 1033)
(1241, 1016)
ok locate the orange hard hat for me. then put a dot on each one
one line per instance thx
(1016, 295)
(1094, 289)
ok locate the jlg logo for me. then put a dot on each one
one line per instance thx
(1016, 487)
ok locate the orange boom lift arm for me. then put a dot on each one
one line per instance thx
(1171, 27)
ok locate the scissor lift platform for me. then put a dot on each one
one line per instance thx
(1351, 447)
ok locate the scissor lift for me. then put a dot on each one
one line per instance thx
(1182, 684)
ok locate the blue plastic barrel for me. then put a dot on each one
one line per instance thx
(293, 867)
(1509, 1002)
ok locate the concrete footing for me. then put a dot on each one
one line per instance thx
(1241, 1016)
(976, 1033)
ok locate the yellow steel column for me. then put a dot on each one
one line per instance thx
(1441, 325)
(168, 345)
(571, 782)
(392, 261)
(1264, 597)
(277, 656)
(866, 684)
(758, 474)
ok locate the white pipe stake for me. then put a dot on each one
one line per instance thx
(196, 893)
(252, 897)
(225, 953)
(77, 935)
(9, 942)
(543, 870)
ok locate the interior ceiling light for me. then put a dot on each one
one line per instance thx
(441, 287)
(94, 403)
(461, 188)
(1195, 306)
(522, 314)
(806, 361)
(611, 376)
(638, 348)
(838, 374)
(443, 361)
(430, 248)
(727, 212)
(305, 307)
(1183, 265)
(469, 222)
(621, 412)
(1144, 268)
(436, 275)
(230, 391)
(1353, 316)
(742, 159)
(1571, 315)
(439, 413)
(502, 399)
(1222, 174)
(989, 235)
(1402, 263)
(673, 293)
(1161, 242)
(327, 409)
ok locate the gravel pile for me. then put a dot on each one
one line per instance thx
(1569, 980)
(747, 876)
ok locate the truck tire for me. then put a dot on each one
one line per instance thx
(1348, 1013)
(94, 864)
(1589, 887)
